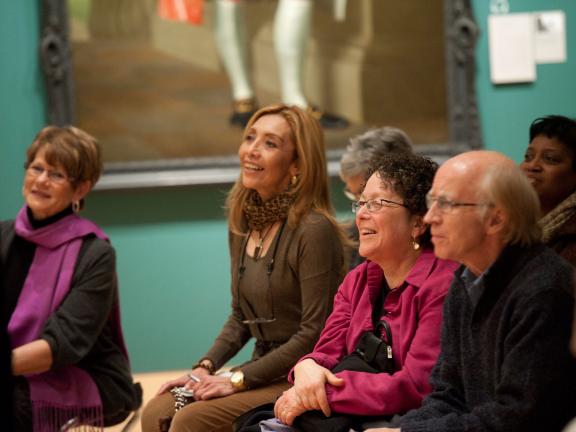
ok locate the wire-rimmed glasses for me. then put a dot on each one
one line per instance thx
(374, 205)
(446, 205)
(54, 176)
(350, 195)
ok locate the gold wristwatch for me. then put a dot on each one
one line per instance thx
(237, 380)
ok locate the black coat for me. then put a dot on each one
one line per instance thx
(6, 386)
(79, 332)
(504, 363)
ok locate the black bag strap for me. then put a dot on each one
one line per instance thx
(250, 420)
(378, 306)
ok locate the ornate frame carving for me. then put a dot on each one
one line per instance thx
(461, 33)
(55, 60)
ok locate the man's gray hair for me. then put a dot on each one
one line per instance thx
(508, 188)
(363, 150)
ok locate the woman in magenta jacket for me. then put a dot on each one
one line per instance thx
(400, 260)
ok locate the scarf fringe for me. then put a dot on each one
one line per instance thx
(51, 417)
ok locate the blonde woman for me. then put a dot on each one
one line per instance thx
(287, 263)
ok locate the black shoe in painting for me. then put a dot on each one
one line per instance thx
(243, 110)
(327, 120)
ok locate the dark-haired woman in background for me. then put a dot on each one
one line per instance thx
(550, 165)
(61, 294)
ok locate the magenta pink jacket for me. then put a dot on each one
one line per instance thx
(414, 313)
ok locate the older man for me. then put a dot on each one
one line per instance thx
(504, 362)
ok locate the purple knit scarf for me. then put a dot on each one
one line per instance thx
(65, 393)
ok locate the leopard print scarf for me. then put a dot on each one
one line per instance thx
(260, 213)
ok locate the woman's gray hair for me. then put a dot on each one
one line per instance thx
(364, 149)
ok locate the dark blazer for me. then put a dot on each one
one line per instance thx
(80, 332)
(6, 388)
(504, 364)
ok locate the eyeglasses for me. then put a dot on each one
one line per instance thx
(375, 205)
(350, 195)
(54, 176)
(269, 269)
(446, 205)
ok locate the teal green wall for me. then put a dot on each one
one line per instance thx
(171, 243)
(506, 111)
(173, 268)
(21, 90)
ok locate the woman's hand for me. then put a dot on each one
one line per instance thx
(33, 357)
(310, 381)
(213, 386)
(288, 407)
(183, 380)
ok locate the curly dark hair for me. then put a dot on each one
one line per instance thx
(411, 177)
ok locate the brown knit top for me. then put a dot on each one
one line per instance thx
(308, 269)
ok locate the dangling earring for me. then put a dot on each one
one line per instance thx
(415, 244)
(76, 207)
(294, 180)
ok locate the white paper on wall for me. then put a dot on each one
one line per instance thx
(550, 37)
(511, 48)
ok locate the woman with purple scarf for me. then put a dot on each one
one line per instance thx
(61, 299)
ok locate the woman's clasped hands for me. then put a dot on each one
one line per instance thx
(204, 385)
(308, 393)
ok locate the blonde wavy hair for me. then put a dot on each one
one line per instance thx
(311, 189)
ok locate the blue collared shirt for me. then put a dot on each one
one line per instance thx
(474, 285)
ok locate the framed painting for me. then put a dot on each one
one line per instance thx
(153, 92)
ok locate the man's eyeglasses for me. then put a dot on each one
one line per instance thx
(351, 195)
(446, 205)
(374, 205)
(54, 176)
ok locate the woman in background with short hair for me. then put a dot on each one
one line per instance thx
(550, 165)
